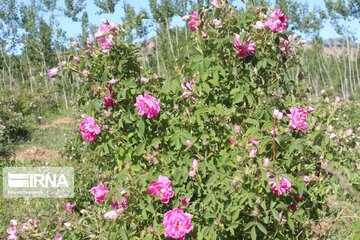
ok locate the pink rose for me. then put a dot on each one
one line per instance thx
(57, 236)
(185, 95)
(177, 224)
(189, 143)
(144, 80)
(277, 22)
(194, 21)
(69, 207)
(104, 37)
(11, 237)
(76, 59)
(244, 48)
(86, 73)
(266, 162)
(147, 105)
(298, 119)
(217, 23)
(13, 222)
(284, 187)
(111, 215)
(53, 72)
(293, 207)
(12, 230)
(285, 47)
(277, 114)
(89, 129)
(161, 188)
(259, 25)
(216, 3)
(185, 201)
(99, 192)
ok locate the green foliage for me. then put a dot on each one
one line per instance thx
(231, 97)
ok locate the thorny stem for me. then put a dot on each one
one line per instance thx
(273, 139)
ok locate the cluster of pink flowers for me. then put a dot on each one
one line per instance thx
(69, 207)
(245, 48)
(277, 22)
(99, 192)
(161, 188)
(58, 236)
(284, 187)
(285, 47)
(53, 72)
(187, 86)
(12, 230)
(109, 101)
(195, 168)
(147, 105)
(194, 22)
(216, 3)
(104, 36)
(177, 224)
(89, 129)
(298, 119)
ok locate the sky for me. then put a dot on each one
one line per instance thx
(74, 29)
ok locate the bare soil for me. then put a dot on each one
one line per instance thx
(36, 154)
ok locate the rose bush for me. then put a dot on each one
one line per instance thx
(230, 131)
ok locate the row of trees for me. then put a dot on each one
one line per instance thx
(32, 40)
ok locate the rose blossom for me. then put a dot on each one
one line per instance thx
(259, 25)
(277, 22)
(86, 73)
(298, 119)
(104, 37)
(194, 22)
(12, 230)
(330, 128)
(177, 224)
(99, 192)
(76, 59)
(216, 3)
(217, 23)
(89, 129)
(57, 236)
(111, 215)
(285, 186)
(245, 48)
(185, 201)
(147, 105)
(109, 101)
(189, 143)
(11, 237)
(69, 207)
(266, 162)
(162, 188)
(284, 47)
(13, 222)
(185, 95)
(277, 114)
(293, 207)
(144, 80)
(53, 72)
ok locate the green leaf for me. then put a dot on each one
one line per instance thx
(140, 149)
(253, 233)
(261, 228)
(291, 224)
(123, 234)
(249, 225)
